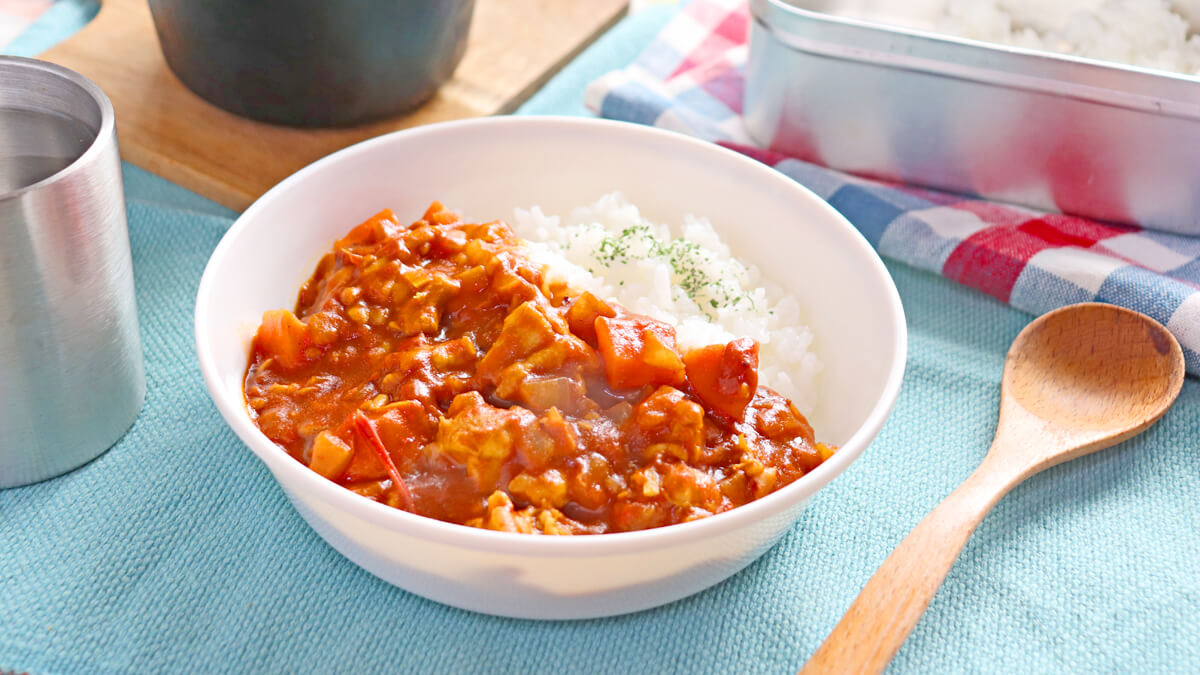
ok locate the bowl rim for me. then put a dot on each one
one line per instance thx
(614, 543)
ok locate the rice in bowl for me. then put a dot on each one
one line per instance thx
(688, 278)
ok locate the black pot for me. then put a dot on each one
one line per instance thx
(313, 63)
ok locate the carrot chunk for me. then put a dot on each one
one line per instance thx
(638, 351)
(283, 337)
(582, 315)
(373, 230)
(725, 377)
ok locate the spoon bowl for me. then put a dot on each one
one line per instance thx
(1096, 367)
(1076, 380)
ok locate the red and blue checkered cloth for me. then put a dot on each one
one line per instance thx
(690, 80)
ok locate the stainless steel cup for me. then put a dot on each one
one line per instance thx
(71, 373)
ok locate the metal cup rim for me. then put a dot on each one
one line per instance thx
(107, 119)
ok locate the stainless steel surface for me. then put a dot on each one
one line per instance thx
(71, 373)
(1044, 130)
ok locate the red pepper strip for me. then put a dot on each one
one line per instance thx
(367, 428)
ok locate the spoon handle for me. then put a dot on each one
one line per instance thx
(892, 602)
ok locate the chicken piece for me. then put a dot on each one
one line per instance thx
(750, 479)
(472, 282)
(526, 330)
(629, 514)
(776, 418)
(766, 482)
(422, 311)
(503, 517)
(687, 486)
(278, 420)
(736, 486)
(669, 418)
(325, 327)
(509, 284)
(547, 489)
(553, 521)
(480, 436)
(529, 344)
(552, 436)
(430, 372)
(588, 480)
(493, 232)
(448, 242)
(452, 355)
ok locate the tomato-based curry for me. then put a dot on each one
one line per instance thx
(437, 369)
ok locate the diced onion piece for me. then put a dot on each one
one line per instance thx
(552, 392)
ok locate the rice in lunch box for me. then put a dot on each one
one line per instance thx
(1160, 34)
(687, 278)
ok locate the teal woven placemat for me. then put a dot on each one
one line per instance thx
(176, 551)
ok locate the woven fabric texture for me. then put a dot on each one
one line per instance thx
(177, 552)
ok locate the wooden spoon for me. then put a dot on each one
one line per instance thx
(1076, 380)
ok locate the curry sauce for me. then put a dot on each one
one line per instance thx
(437, 369)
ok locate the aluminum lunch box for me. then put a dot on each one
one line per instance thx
(827, 81)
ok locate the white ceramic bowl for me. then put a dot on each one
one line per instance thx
(484, 169)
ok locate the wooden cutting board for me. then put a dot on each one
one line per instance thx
(513, 48)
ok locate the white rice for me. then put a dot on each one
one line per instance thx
(1160, 34)
(688, 279)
